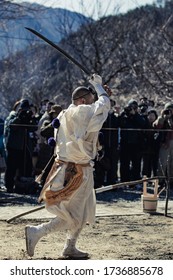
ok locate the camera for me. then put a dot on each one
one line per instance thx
(25, 115)
(166, 112)
(128, 110)
(143, 109)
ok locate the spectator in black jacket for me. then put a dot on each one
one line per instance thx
(151, 146)
(106, 163)
(11, 115)
(131, 122)
(19, 145)
(2, 149)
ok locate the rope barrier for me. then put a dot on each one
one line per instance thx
(107, 128)
(139, 129)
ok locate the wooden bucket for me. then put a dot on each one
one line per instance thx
(149, 201)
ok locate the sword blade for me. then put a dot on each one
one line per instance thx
(59, 49)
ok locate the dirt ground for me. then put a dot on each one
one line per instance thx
(118, 237)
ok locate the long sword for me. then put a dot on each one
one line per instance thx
(60, 50)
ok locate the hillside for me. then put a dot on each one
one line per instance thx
(133, 53)
(54, 23)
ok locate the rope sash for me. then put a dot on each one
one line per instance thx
(72, 181)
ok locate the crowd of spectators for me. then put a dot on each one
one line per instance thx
(25, 149)
(134, 141)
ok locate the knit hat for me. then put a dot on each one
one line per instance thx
(133, 103)
(24, 104)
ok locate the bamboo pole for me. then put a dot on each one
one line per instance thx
(99, 190)
(26, 213)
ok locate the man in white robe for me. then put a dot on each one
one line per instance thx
(76, 143)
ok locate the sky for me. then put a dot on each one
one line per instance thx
(75, 5)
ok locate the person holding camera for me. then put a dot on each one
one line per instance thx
(106, 163)
(151, 146)
(131, 124)
(19, 145)
(165, 121)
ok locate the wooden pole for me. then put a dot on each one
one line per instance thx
(99, 190)
(111, 187)
(26, 213)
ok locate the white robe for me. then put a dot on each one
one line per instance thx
(77, 142)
